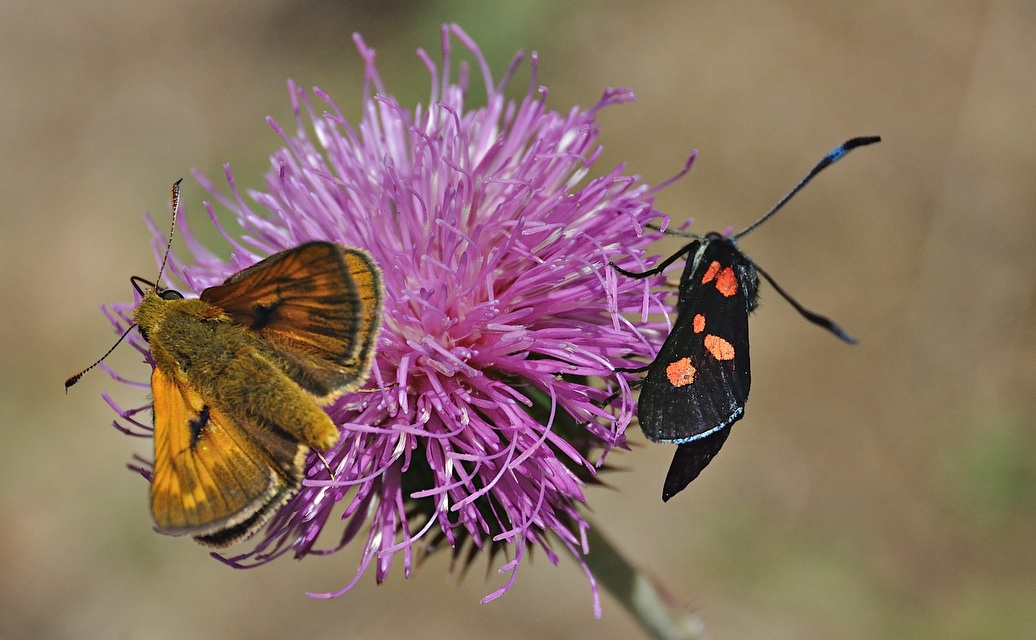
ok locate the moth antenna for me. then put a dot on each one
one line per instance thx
(832, 157)
(815, 318)
(74, 379)
(829, 159)
(174, 197)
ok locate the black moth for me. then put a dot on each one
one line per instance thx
(697, 386)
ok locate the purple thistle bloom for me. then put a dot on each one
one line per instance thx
(494, 397)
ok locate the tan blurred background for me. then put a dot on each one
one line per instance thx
(886, 490)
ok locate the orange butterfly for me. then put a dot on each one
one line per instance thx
(240, 376)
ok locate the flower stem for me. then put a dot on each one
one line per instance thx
(646, 599)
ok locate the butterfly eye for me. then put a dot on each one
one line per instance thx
(170, 294)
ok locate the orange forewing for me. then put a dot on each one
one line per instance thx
(318, 305)
(211, 477)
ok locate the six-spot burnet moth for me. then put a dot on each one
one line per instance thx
(696, 387)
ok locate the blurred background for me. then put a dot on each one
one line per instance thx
(886, 490)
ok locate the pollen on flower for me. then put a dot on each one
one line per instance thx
(494, 397)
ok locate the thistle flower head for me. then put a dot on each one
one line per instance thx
(494, 397)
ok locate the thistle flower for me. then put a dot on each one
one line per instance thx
(494, 398)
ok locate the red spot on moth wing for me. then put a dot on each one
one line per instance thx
(711, 272)
(726, 282)
(699, 323)
(681, 372)
(719, 348)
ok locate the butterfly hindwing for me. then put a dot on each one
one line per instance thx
(699, 381)
(316, 306)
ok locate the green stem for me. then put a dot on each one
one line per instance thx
(645, 599)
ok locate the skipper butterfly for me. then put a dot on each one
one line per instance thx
(240, 376)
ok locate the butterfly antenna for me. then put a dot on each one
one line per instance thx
(174, 197)
(74, 379)
(815, 318)
(832, 157)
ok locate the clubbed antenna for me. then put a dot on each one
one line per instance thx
(174, 197)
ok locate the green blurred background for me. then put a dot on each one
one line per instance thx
(886, 490)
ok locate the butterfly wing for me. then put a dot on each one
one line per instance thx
(317, 307)
(699, 381)
(212, 478)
